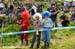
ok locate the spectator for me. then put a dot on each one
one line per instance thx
(54, 16)
(16, 10)
(37, 25)
(10, 10)
(10, 7)
(73, 17)
(73, 4)
(63, 16)
(40, 7)
(47, 25)
(33, 9)
(48, 6)
(30, 5)
(65, 22)
(23, 8)
(1, 6)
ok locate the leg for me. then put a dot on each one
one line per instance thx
(26, 38)
(44, 38)
(33, 40)
(21, 37)
(55, 22)
(48, 38)
(38, 40)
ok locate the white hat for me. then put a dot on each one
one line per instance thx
(37, 14)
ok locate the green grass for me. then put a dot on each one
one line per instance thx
(62, 39)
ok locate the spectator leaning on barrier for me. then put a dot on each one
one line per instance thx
(47, 24)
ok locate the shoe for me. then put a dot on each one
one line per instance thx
(31, 47)
(21, 44)
(37, 47)
(26, 42)
(48, 45)
(45, 45)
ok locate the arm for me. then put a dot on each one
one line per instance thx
(51, 22)
(42, 22)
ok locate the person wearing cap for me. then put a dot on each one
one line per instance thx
(47, 25)
(37, 25)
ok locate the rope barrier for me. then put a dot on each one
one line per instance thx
(30, 31)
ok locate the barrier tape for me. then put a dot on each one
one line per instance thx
(30, 31)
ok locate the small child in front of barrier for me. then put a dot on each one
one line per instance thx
(47, 25)
(37, 25)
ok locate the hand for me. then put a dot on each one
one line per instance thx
(14, 18)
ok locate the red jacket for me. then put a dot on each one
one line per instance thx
(25, 23)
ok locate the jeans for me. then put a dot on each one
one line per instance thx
(46, 34)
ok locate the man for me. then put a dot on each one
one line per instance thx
(54, 16)
(33, 9)
(1, 6)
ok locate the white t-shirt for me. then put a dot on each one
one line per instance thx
(1, 5)
(34, 8)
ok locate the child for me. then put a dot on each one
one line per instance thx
(24, 23)
(47, 24)
(37, 24)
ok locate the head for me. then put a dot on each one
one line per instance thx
(37, 18)
(39, 10)
(46, 17)
(46, 14)
(66, 18)
(25, 15)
